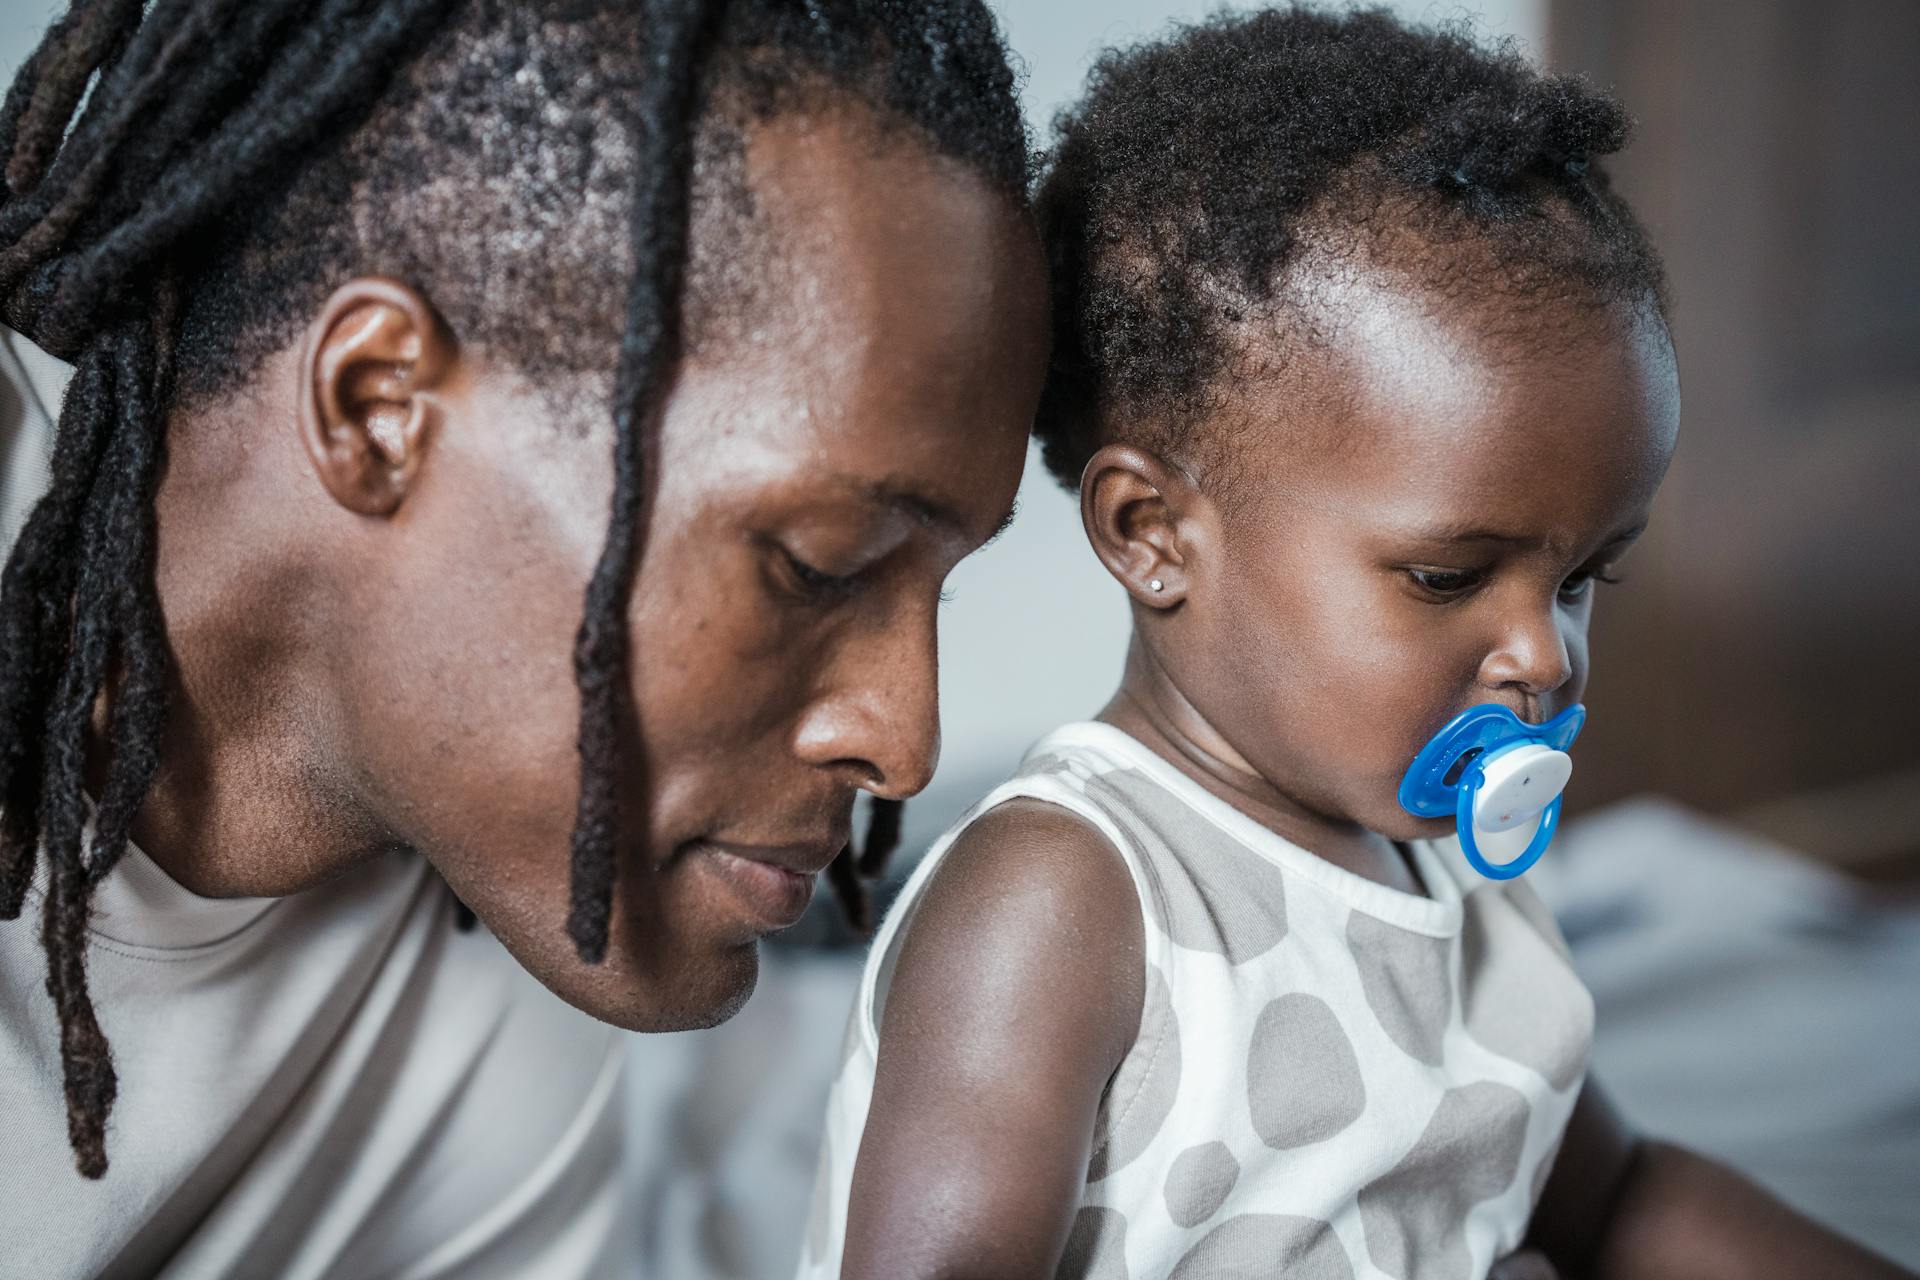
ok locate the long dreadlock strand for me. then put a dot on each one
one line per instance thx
(849, 873)
(649, 351)
(883, 836)
(140, 694)
(54, 80)
(147, 98)
(856, 906)
(82, 271)
(34, 619)
(86, 1062)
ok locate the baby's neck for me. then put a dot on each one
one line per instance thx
(1150, 708)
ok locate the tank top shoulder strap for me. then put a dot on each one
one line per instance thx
(1054, 772)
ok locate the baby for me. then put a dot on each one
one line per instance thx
(1363, 375)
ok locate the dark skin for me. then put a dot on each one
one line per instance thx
(1413, 524)
(373, 560)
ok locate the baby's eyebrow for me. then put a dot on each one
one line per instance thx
(1468, 532)
(1625, 535)
(1464, 532)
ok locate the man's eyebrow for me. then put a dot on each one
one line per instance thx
(1006, 523)
(932, 511)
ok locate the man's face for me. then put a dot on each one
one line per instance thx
(1422, 514)
(820, 473)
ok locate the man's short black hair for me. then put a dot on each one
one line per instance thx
(497, 172)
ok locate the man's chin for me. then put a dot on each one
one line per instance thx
(652, 993)
(713, 1003)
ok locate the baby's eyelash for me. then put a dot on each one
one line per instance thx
(1446, 582)
(1579, 585)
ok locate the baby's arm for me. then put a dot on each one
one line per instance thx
(1618, 1205)
(1015, 996)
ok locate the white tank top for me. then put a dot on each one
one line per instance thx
(1331, 1078)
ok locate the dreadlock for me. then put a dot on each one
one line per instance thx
(849, 872)
(1200, 169)
(177, 187)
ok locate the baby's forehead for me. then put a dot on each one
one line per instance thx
(1368, 372)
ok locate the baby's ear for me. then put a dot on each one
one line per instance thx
(1144, 518)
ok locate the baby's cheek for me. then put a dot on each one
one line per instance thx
(1577, 658)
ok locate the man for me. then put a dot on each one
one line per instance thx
(370, 280)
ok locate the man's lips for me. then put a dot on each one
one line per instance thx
(804, 857)
(772, 883)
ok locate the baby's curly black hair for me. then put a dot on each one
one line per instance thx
(1200, 169)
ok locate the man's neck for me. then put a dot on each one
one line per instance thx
(251, 798)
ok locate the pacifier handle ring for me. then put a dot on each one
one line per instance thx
(1463, 823)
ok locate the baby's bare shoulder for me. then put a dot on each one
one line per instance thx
(1032, 909)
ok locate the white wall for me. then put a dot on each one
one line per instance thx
(21, 24)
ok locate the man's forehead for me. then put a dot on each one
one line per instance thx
(791, 231)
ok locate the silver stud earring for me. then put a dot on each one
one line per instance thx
(1156, 585)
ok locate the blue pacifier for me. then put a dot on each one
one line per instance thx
(1496, 774)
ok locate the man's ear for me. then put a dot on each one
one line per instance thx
(1138, 514)
(373, 361)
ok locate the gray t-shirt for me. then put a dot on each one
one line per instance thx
(338, 1083)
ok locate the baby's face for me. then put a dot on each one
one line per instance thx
(1420, 522)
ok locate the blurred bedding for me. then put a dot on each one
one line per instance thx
(1755, 1005)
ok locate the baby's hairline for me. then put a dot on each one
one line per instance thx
(1295, 346)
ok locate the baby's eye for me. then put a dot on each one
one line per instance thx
(1579, 584)
(1446, 582)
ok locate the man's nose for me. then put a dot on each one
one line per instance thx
(878, 718)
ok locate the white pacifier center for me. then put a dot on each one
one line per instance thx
(1517, 785)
